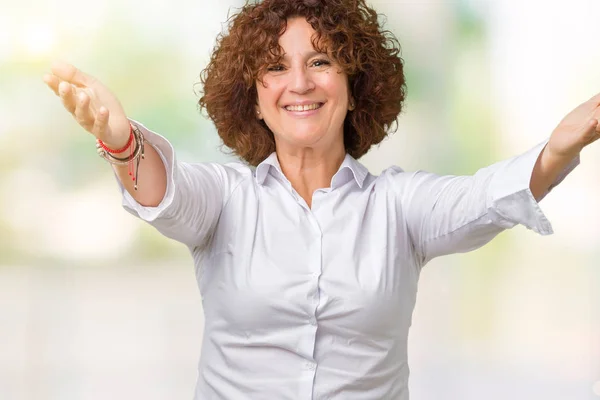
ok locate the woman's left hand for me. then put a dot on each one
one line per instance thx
(578, 129)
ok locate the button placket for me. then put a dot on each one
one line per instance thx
(314, 270)
(316, 266)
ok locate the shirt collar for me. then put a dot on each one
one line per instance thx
(263, 168)
(349, 169)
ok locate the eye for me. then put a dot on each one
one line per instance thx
(275, 68)
(320, 63)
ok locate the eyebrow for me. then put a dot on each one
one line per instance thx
(308, 55)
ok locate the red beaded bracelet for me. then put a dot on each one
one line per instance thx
(122, 149)
(106, 153)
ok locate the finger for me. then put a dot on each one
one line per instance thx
(52, 82)
(65, 91)
(591, 131)
(596, 131)
(69, 73)
(83, 114)
(101, 122)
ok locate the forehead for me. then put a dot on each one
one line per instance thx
(298, 36)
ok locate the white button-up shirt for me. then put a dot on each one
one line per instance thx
(316, 303)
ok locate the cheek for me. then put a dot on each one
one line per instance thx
(264, 89)
(268, 97)
(336, 85)
(261, 94)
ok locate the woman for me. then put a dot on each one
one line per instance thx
(308, 265)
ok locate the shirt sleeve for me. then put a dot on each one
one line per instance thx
(453, 214)
(194, 198)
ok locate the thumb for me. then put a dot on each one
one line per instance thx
(590, 132)
(69, 73)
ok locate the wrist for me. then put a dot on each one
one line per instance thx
(119, 148)
(553, 161)
(131, 159)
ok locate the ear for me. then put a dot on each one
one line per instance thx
(351, 104)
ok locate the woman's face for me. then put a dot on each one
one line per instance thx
(303, 100)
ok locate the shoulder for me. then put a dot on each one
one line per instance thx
(234, 171)
(398, 180)
(239, 169)
(225, 177)
(391, 174)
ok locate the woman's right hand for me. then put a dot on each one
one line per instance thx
(92, 105)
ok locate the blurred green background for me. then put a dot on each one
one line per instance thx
(94, 304)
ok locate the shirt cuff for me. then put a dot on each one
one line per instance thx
(165, 150)
(510, 197)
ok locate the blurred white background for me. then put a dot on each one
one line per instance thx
(96, 305)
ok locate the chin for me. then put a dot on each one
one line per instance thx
(307, 138)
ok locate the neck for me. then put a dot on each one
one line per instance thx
(310, 169)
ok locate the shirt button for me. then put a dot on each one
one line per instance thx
(312, 321)
(310, 366)
(315, 275)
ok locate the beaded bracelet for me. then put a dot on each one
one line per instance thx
(135, 155)
(122, 149)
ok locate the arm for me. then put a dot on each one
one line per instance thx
(545, 172)
(194, 197)
(152, 185)
(452, 214)
(100, 113)
(577, 130)
(456, 214)
(182, 201)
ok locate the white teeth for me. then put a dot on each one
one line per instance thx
(307, 107)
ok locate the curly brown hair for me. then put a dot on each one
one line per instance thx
(348, 30)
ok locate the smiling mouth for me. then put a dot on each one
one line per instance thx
(307, 107)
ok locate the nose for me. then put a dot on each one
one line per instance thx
(301, 81)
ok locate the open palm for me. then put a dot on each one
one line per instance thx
(91, 103)
(577, 129)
